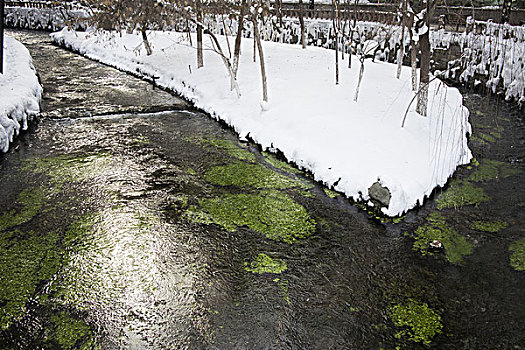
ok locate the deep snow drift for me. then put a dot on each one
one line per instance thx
(20, 92)
(315, 123)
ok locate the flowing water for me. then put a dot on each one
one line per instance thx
(129, 220)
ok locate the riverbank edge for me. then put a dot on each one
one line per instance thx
(23, 92)
(364, 197)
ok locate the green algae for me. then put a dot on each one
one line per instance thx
(492, 170)
(233, 149)
(489, 226)
(486, 137)
(455, 245)
(419, 323)
(270, 212)
(264, 264)
(330, 193)
(283, 286)
(26, 260)
(461, 193)
(69, 168)
(230, 147)
(279, 164)
(255, 176)
(71, 333)
(517, 257)
(195, 215)
(32, 200)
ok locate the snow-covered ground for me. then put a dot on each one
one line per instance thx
(315, 123)
(20, 91)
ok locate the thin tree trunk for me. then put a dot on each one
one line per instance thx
(227, 36)
(200, 54)
(413, 62)
(422, 100)
(301, 22)
(189, 31)
(254, 44)
(261, 60)
(145, 41)
(226, 61)
(238, 39)
(401, 52)
(361, 72)
(335, 21)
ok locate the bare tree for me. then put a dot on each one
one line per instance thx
(257, 10)
(423, 28)
(142, 15)
(401, 52)
(301, 23)
(336, 25)
(200, 54)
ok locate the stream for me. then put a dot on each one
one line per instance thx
(131, 220)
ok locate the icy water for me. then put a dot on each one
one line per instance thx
(162, 231)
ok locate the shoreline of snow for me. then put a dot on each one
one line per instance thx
(20, 92)
(316, 124)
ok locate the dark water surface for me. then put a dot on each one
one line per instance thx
(162, 231)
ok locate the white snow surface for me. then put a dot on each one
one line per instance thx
(316, 124)
(20, 92)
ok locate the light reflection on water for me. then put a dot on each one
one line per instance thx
(123, 271)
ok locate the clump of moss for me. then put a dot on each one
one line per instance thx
(264, 264)
(71, 333)
(517, 257)
(487, 137)
(330, 193)
(252, 175)
(461, 193)
(230, 147)
(278, 164)
(492, 170)
(233, 149)
(489, 226)
(32, 200)
(270, 212)
(26, 260)
(455, 245)
(197, 216)
(69, 168)
(418, 321)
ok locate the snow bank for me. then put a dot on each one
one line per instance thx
(315, 123)
(20, 92)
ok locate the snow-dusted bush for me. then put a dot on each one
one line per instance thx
(44, 18)
(492, 52)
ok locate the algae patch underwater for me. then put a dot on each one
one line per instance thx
(455, 245)
(492, 170)
(71, 333)
(32, 200)
(69, 168)
(263, 208)
(517, 256)
(270, 212)
(264, 264)
(461, 193)
(26, 260)
(489, 226)
(418, 321)
(256, 176)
